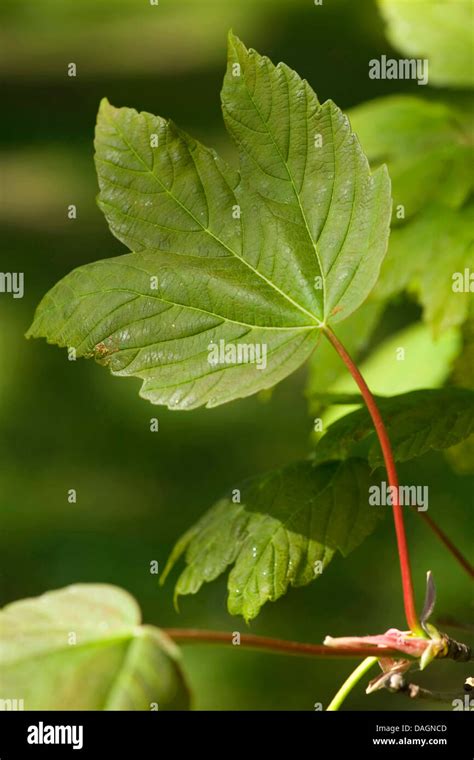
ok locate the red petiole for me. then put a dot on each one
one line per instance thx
(381, 431)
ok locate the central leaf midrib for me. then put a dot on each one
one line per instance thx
(292, 182)
(209, 231)
(289, 328)
(112, 638)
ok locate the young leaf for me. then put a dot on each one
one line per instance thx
(462, 375)
(222, 262)
(429, 257)
(410, 359)
(284, 532)
(416, 422)
(439, 30)
(83, 648)
(461, 456)
(429, 151)
(427, 146)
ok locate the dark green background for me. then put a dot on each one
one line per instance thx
(71, 425)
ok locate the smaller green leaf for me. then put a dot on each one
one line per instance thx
(426, 145)
(429, 257)
(428, 148)
(463, 375)
(440, 30)
(416, 422)
(410, 359)
(83, 648)
(461, 456)
(284, 532)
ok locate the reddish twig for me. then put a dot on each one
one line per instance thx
(251, 641)
(448, 544)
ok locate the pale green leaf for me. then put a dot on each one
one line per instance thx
(416, 422)
(83, 648)
(285, 530)
(432, 257)
(410, 359)
(440, 30)
(224, 262)
(427, 146)
(463, 374)
(461, 456)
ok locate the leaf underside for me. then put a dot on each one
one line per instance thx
(83, 648)
(260, 258)
(284, 532)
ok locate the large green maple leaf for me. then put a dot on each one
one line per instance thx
(232, 274)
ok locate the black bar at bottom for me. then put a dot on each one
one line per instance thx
(217, 734)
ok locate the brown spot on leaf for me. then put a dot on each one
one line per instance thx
(100, 350)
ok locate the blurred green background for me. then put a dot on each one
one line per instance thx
(70, 425)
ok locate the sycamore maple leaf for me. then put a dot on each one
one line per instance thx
(255, 259)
